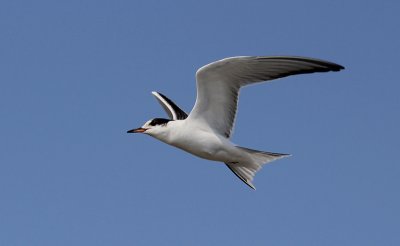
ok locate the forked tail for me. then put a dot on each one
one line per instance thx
(247, 171)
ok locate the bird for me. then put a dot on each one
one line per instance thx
(206, 131)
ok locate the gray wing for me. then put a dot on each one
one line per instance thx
(173, 111)
(218, 84)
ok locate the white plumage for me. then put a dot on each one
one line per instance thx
(205, 132)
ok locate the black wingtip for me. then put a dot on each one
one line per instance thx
(325, 65)
(336, 67)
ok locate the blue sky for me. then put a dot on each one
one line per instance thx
(75, 75)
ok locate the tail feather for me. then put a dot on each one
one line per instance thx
(239, 172)
(247, 171)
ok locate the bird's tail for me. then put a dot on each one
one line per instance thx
(247, 171)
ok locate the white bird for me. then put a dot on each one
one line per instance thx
(205, 132)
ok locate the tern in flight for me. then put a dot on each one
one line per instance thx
(206, 131)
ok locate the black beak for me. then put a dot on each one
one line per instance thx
(137, 130)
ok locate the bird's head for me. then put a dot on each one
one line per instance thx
(154, 127)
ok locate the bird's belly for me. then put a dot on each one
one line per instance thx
(210, 147)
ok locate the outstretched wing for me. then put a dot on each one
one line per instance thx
(218, 84)
(173, 111)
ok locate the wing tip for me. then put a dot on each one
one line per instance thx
(332, 66)
(336, 67)
(251, 185)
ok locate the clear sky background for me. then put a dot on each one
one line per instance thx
(75, 75)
